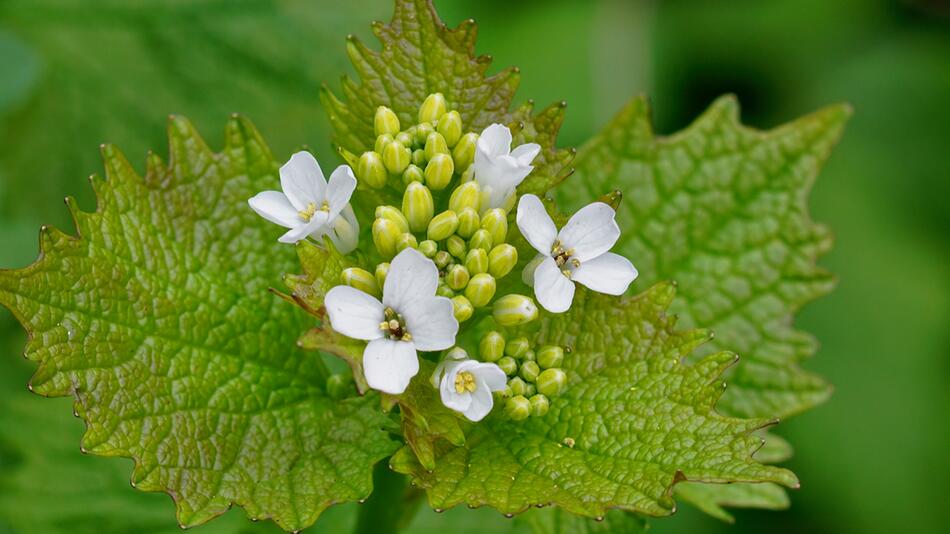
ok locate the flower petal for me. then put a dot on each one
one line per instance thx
(495, 141)
(431, 321)
(302, 180)
(354, 313)
(450, 398)
(481, 403)
(316, 227)
(526, 153)
(492, 375)
(412, 276)
(390, 365)
(608, 273)
(346, 231)
(340, 189)
(535, 224)
(555, 291)
(591, 231)
(276, 208)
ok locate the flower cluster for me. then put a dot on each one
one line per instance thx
(536, 376)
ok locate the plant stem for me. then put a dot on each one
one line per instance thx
(391, 506)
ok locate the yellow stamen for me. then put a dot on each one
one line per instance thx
(465, 381)
(307, 214)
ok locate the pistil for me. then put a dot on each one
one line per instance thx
(395, 326)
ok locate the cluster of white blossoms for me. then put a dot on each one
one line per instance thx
(439, 267)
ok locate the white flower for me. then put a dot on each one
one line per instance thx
(466, 386)
(578, 253)
(411, 317)
(498, 168)
(310, 206)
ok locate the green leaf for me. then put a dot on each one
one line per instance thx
(156, 318)
(635, 420)
(553, 520)
(712, 498)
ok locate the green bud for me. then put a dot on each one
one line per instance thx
(433, 108)
(530, 371)
(457, 277)
(417, 206)
(468, 223)
(517, 347)
(385, 234)
(539, 405)
(360, 279)
(403, 138)
(551, 382)
(445, 291)
(442, 258)
(428, 248)
(505, 393)
(517, 408)
(463, 309)
(393, 214)
(381, 142)
(456, 353)
(476, 261)
(491, 347)
(529, 356)
(340, 386)
(439, 171)
(514, 310)
(465, 196)
(464, 151)
(450, 126)
(405, 241)
(517, 386)
(468, 175)
(508, 365)
(456, 246)
(419, 157)
(385, 121)
(443, 225)
(502, 259)
(422, 132)
(371, 171)
(382, 270)
(480, 239)
(530, 390)
(495, 221)
(412, 174)
(480, 289)
(396, 157)
(435, 145)
(550, 356)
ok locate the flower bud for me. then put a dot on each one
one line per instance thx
(439, 171)
(385, 234)
(530, 390)
(465, 196)
(464, 151)
(403, 138)
(550, 356)
(476, 261)
(539, 405)
(463, 309)
(419, 158)
(514, 310)
(456, 247)
(450, 126)
(340, 386)
(468, 223)
(517, 408)
(385, 121)
(517, 347)
(371, 171)
(456, 353)
(428, 248)
(412, 174)
(405, 241)
(432, 108)
(445, 291)
(480, 239)
(422, 132)
(457, 277)
(396, 157)
(393, 214)
(504, 393)
(441, 259)
(495, 221)
(508, 365)
(502, 259)
(491, 347)
(381, 143)
(360, 279)
(517, 386)
(417, 206)
(382, 270)
(529, 356)
(443, 225)
(480, 289)
(530, 371)
(551, 382)
(435, 145)
(467, 176)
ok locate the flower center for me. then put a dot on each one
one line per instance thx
(465, 381)
(564, 259)
(395, 326)
(307, 214)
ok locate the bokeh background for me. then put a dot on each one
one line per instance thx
(75, 73)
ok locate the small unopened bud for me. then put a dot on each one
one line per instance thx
(385, 121)
(417, 206)
(404, 138)
(360, 279)
(412, 174)
(462, 308)
(442, 225)
(441, 259)
(468, 175)
(502, 259)
(468, 223)
(529, 356)
(465, 196)
(517, 347)
(405, 241)
(422, 132)
(480, 289)
(396, 157)
(491, 347)
(550, 356)
(432, 108)
(419, 158)
(517, 386)
(495, 221)
(445, 291)
(382, 270)
(428, 248)
(450, 126)
(385, 234)
(381, 143)
(371, 171)
(508, 365)
(504, 393)
(394, 215)
(456, 353)
(517, 408)
(551, 382)
(457, 277)
(464, 151)
(340, 386)
(439, 171)
(539, 405)
(476, 261)
(530, 371)
(514, 310)
(435, 145)
(530, 390)
(480, 239)
(456, 247)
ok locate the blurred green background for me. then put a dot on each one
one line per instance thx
(75, 73)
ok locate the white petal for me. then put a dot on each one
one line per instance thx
(276, 208)
(495, 140)
(412, 276)
(302, 180)
(390, 365)
(526, 153)
(535, 224)
(555, 291)
(481, 403)
(450, 398)
(608, 273)
(492, 375)
(346, 231)
(431, 321)
(340, 189)
(527, 275)
(316, 227)
(354, 313)
(591, 231)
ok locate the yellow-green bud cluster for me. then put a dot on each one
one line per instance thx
(536, 377)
